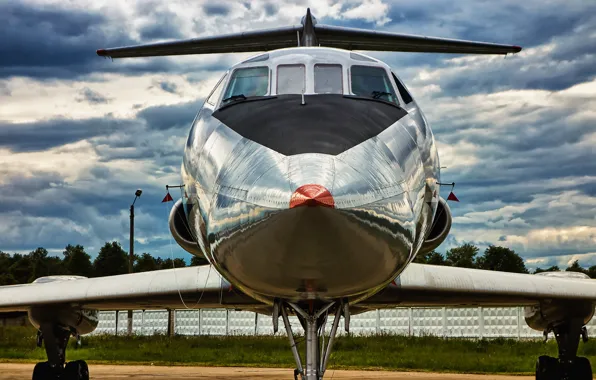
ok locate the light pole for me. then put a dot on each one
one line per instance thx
(131, 252)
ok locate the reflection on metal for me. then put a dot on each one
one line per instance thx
(384, 191)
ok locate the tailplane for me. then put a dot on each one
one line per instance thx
(309, 33)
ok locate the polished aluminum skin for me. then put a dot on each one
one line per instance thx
(237, 196)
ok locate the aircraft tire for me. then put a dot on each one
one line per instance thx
(547, 368)
(582, 369)
(42, 371)
(77, 370)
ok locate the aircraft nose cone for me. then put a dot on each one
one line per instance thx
(312, 195)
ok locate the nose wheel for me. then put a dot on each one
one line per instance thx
(568, 366)
(55, 340)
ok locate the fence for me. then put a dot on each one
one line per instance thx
(475, 322)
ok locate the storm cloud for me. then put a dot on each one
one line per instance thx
(516, 133)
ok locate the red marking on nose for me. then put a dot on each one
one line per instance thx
(312, 195)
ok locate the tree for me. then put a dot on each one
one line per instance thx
(5, 260)
(145, 263)
(54, 266)
(432, 257)
(111, 260)
(592, 271)
(7, 279)
(575, 267)
(169, 264)
(501, 259)
(463, 256)
(77, 261)
(41, 265)
(179, 263)
(197, 260)
(20, 268)
(554, 268)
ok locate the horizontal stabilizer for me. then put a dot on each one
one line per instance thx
(309, 34)
(259, 40)
(362, 39)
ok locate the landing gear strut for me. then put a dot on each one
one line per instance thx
(568, 366)
(55, 339)
(313, 321)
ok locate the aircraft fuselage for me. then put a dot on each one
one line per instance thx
(309, 175)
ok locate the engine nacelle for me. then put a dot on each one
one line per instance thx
(81, 320)
(181, 230)
(549, 313)
(440, 228)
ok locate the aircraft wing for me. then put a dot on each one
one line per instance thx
(431, 285)
(204, 287)
(326, 35)
(193, 287)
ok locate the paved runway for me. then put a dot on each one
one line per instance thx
(23, 372)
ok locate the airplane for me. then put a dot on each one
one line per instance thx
(310, 180)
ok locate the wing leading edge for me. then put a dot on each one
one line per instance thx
(203, 287)
(431, 285)
(193, 287)
(309, 33)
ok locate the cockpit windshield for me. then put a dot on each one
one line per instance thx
(251, 81)
(291, 79)
(372, 82)
(328, 79)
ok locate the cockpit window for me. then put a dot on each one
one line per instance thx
(372, 82)
(214, 97)
(290, 79)
(251, 81)
(403, 91)
(328, 79)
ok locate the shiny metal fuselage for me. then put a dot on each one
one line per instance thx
(237, 195)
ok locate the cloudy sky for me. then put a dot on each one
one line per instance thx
(79, 134)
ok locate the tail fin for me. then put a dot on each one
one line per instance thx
(309, 33)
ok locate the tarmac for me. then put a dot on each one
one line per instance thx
(148, 372)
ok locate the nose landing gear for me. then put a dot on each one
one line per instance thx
(55, 339)
(568, 366)
(313, 321)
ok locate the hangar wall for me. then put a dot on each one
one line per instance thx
(478, 322)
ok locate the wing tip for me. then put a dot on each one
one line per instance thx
(102, 52)
(517, 48)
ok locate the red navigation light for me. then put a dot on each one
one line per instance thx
(312, 195)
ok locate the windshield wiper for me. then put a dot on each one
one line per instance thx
(233, 98)
(379, 94)
(374, 99)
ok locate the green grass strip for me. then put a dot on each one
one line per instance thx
(386, 352)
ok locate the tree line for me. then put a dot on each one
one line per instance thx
(113, 260)
(495, 258)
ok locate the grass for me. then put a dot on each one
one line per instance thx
(387, 352)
